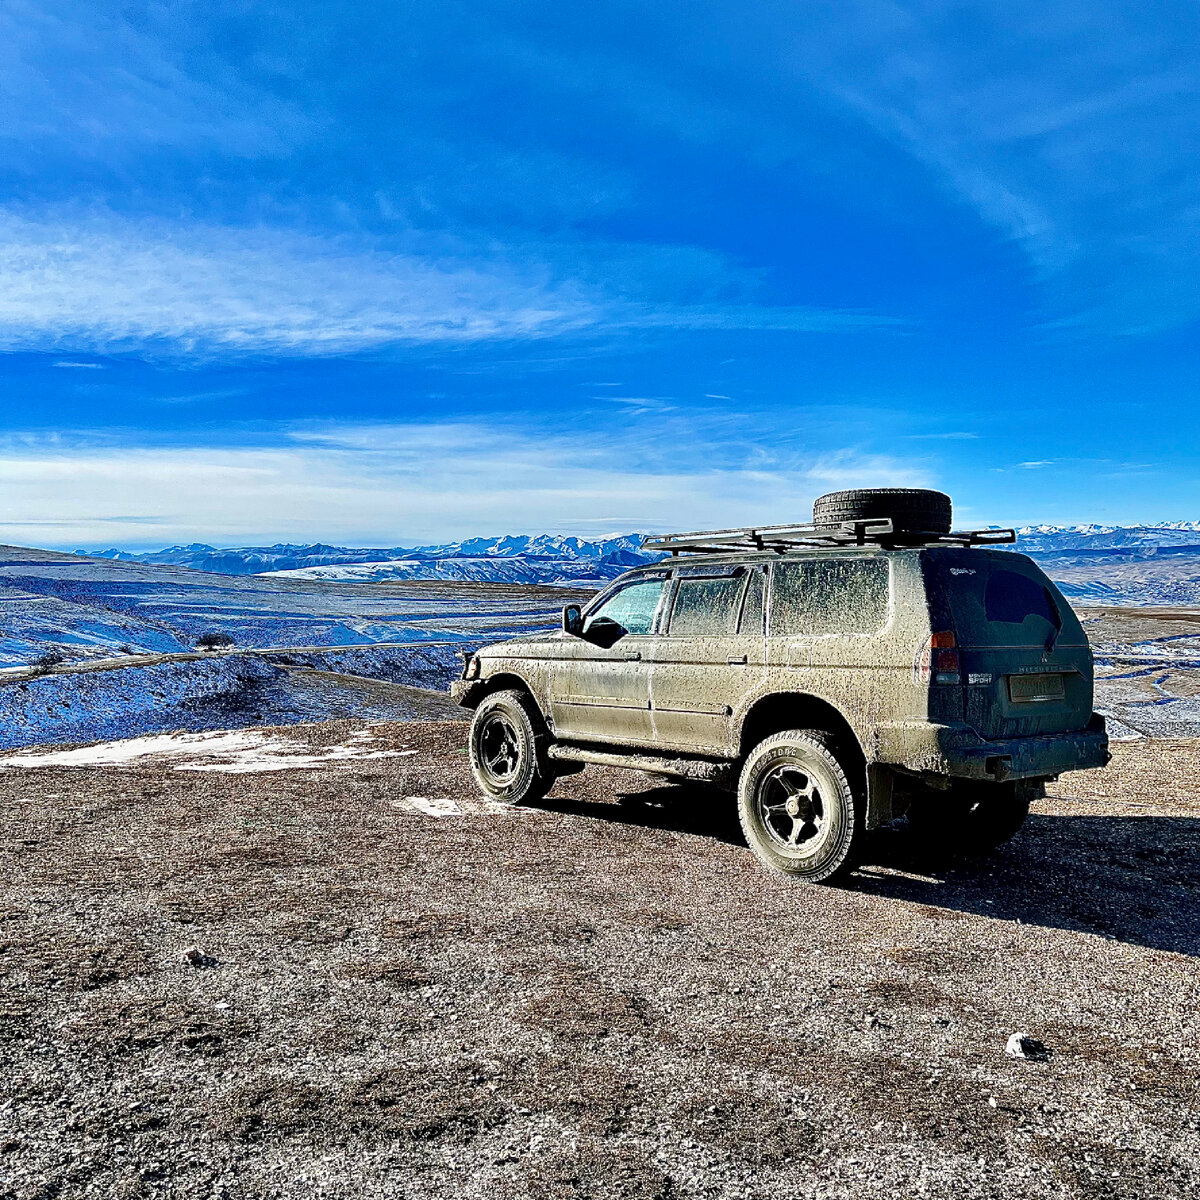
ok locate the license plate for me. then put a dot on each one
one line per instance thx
(1026, 688)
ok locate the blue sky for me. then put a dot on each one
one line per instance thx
(392, 273)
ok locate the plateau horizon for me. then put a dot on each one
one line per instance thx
(1049, 537)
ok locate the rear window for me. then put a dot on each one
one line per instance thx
(1011, 598)
(706, 607)
(995, 604)
(826, 596)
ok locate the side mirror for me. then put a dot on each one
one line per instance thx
(572, 620)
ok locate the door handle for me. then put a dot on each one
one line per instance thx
(737, 662)
(636, 657)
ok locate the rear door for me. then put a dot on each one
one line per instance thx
(1025, 661)
(708, 656)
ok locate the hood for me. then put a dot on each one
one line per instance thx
(513, 645)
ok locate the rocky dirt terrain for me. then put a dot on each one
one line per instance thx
(396, 989)
(1147, 669)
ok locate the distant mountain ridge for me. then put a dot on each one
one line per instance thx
(1054, 539)
(510, 558)
(1130, 565)
(1115, 564)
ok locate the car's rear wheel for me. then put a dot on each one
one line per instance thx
(971, 816)
(797, 808)
(507, 745)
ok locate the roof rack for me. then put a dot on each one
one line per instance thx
(782, 538)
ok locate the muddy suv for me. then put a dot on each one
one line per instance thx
(836, 675)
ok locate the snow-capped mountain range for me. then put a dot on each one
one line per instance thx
(541, 558)
(510, 558)
(1114, 564)
(1055, 539)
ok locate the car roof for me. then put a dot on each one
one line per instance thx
(738, 558)
(741, 557)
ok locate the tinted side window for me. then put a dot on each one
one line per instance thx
(829, 596)
(632, 608)
(706, 607)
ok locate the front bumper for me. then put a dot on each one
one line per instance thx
(958, 751)
(467, 692)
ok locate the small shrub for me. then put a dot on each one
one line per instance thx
(214, 641)
(47, 662)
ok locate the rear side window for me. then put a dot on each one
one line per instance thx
(706, 607)
(826, 596)
(1011, 598)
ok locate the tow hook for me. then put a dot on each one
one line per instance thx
(998, 766)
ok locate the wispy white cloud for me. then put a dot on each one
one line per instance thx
(79, 366)
(97, 282)
(99, 83)
(1070, 126)
(953, 435)
(392, 484)
(105, 284)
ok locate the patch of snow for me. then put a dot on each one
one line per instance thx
(434, 807)
(439, 806)
(243, 751)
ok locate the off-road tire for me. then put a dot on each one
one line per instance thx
(912, 510)
(972, 817)
(502, 718)
(799, 754)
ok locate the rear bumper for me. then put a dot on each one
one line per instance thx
(959, 751)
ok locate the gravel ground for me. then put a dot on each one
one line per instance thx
(403, 992)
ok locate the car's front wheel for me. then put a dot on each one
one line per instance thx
(507, 746)
(797, 808)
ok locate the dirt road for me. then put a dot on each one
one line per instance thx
(401, 991)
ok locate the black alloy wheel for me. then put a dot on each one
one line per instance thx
(507, 746)
(798, 811)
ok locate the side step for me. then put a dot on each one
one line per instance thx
(719, 774)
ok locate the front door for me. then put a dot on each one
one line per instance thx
(600, 690)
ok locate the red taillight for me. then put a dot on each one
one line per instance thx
(937, 660)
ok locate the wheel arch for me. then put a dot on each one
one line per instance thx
(506, 680)
(778, 711)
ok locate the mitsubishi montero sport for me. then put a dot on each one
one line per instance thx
(836, 675)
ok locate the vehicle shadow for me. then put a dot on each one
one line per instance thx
(1133, 879)
(674, 807)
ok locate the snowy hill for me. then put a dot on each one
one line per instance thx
(1093, 564)
(518, 568)
(94, 608)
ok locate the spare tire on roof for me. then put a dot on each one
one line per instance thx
(912, 510)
